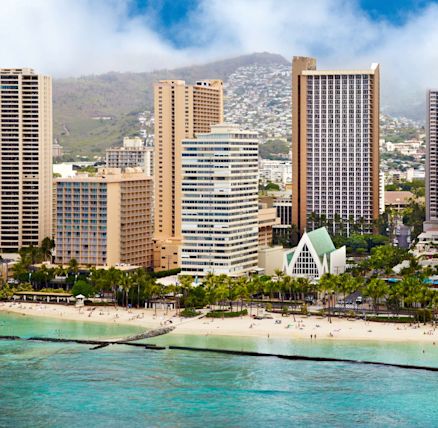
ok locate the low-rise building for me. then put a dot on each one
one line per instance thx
(283, 204)
(57, 150)
(267, 220)
(275, 171)
(314, 256)
(104, 220)
(398, 200)
(270, 259)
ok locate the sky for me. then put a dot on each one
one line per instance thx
(78, 37)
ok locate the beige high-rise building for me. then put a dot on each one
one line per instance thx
(181, 112)
(104, 220)
(335, 146)
(26, 158)
(432, 160)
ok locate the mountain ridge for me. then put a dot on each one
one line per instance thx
(94, 112)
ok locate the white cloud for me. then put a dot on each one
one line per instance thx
(73, 37)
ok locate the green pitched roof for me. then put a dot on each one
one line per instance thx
(321, 241)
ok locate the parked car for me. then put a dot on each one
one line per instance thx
(359, 300)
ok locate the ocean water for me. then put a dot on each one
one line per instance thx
(57, 385)
(28, 326)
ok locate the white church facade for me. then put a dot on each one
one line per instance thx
(314, 256)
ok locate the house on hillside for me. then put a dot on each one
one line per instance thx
(314, 256)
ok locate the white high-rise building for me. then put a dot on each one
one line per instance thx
(26, 158)
(220, 202)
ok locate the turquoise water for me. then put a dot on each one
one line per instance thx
(57, 385)
(28, 326)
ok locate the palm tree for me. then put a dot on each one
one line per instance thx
(314, 219)
(126, 283)
(210, 286)
(303, 286)
(73, 266)
(278, 273)
(112, 280)
(362, 223)
(284, 286)
(242, 289)
(376, 289)
(409, 287)
(295, 235)
(254, 285)
(347, 284)
(271, 287)
(186, 284)
(322, 220)
(328, 285)
(47, 245)
(97, 278)
(434, 303)
(395, 297)
(222, 292)
(234, 289)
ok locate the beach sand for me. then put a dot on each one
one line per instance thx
(292, 327)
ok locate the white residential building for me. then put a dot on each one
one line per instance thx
(134, 153)
(220, 202)
(276, 171)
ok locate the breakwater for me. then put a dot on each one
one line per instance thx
(98, 344)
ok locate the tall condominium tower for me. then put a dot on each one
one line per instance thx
(432, 161)
(104, 219)
(335, 146)
(181, 111)
(220, 202)
(26, 158)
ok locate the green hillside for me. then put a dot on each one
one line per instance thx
(77, 102)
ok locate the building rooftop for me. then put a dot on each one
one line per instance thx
(17, 71)
(397, 197)
(107, 175)
(321, 241)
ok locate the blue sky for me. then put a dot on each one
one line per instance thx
(394, 11)
(171, 14)
(76, 37)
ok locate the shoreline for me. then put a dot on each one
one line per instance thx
(279, 327)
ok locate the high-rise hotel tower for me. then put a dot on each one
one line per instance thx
(428, 240)
(432, 161)
(25, 158)
(335, 146)
(181, 111)
(104, 220)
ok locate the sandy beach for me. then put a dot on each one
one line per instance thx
(292, 327)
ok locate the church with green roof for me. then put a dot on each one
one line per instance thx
(314, 256)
